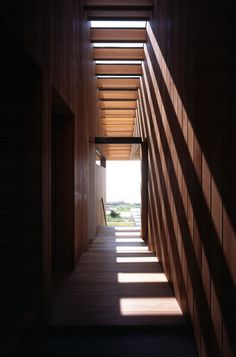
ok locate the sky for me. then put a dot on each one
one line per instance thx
(123, 181)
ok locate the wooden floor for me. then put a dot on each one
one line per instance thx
(117, 282)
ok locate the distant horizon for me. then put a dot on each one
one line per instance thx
(123, 202)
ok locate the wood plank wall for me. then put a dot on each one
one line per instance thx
(21, 187)
(54, 37)
(183, 113)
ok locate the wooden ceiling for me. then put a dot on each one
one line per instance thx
(118, 9)
(118, 82)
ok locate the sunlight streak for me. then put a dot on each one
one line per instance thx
(125, 234)
(136, 260)
(141, 277)
(129, 240)
(177, 105)
(149, 306)
(131, 249)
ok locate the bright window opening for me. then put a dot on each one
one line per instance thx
(119, 44)
(118, 24)
(123, 196)
(117, 62)
(117, 76)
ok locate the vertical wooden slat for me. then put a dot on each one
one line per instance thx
(144, 190)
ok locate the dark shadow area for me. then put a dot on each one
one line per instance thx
(201, 68)
(97, 311)
(109, 341)
(62, 185)
(21, 171)
(193, 267)
(212, 246)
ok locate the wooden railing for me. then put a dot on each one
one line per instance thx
(104, 211)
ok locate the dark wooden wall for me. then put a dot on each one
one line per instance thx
(186, 114)
(62, 171)
(20, 177)
(44, 50)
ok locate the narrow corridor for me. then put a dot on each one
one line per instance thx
(116, 302)
(85, 83)
(117, 282)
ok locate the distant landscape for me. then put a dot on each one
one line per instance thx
(121, 213)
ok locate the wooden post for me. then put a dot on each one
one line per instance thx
(144, 191)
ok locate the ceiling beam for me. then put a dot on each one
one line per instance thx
(120, 121)
(118, 35)
(118, 83)
(118, 13)
(117, 95)
(129, 104)
(118, 69)
(118, 53)
(118, 140)
(118, 3)
(118, 113)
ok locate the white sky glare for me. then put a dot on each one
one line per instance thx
(123, 181)
(118, 24)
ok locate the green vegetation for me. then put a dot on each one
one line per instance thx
(123, 207)
(114, 214)
(116, 217)
(121, 224)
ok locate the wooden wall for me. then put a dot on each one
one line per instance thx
(20, 178)
(186, 115)
(46, 50)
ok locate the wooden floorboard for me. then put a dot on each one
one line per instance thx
(117, 282)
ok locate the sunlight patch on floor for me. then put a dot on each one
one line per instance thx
(136, 260)
(149, 306)
(124, 234)
(131, 249)
(129, 240)
(141, 277)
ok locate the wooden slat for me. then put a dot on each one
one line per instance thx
(118, 131)
(120, 157)
(117, 35)
(118, 3)
(118, 113)
(118, 121)
(118, 69)
(118, 83)
(117, 146)
(118, 127)
(118, 53)
(116, 14)
(118, 104)
(118, 140)
(120, 150)
(118, 95)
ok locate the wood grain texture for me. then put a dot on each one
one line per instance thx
(112, 104)
(186, 141)
(118, 83)
(118, 53)
(117, 35)
(117, 95)
(102, 291)
(117, 3)
(118, 113)
(115, 14)
(118, 69)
